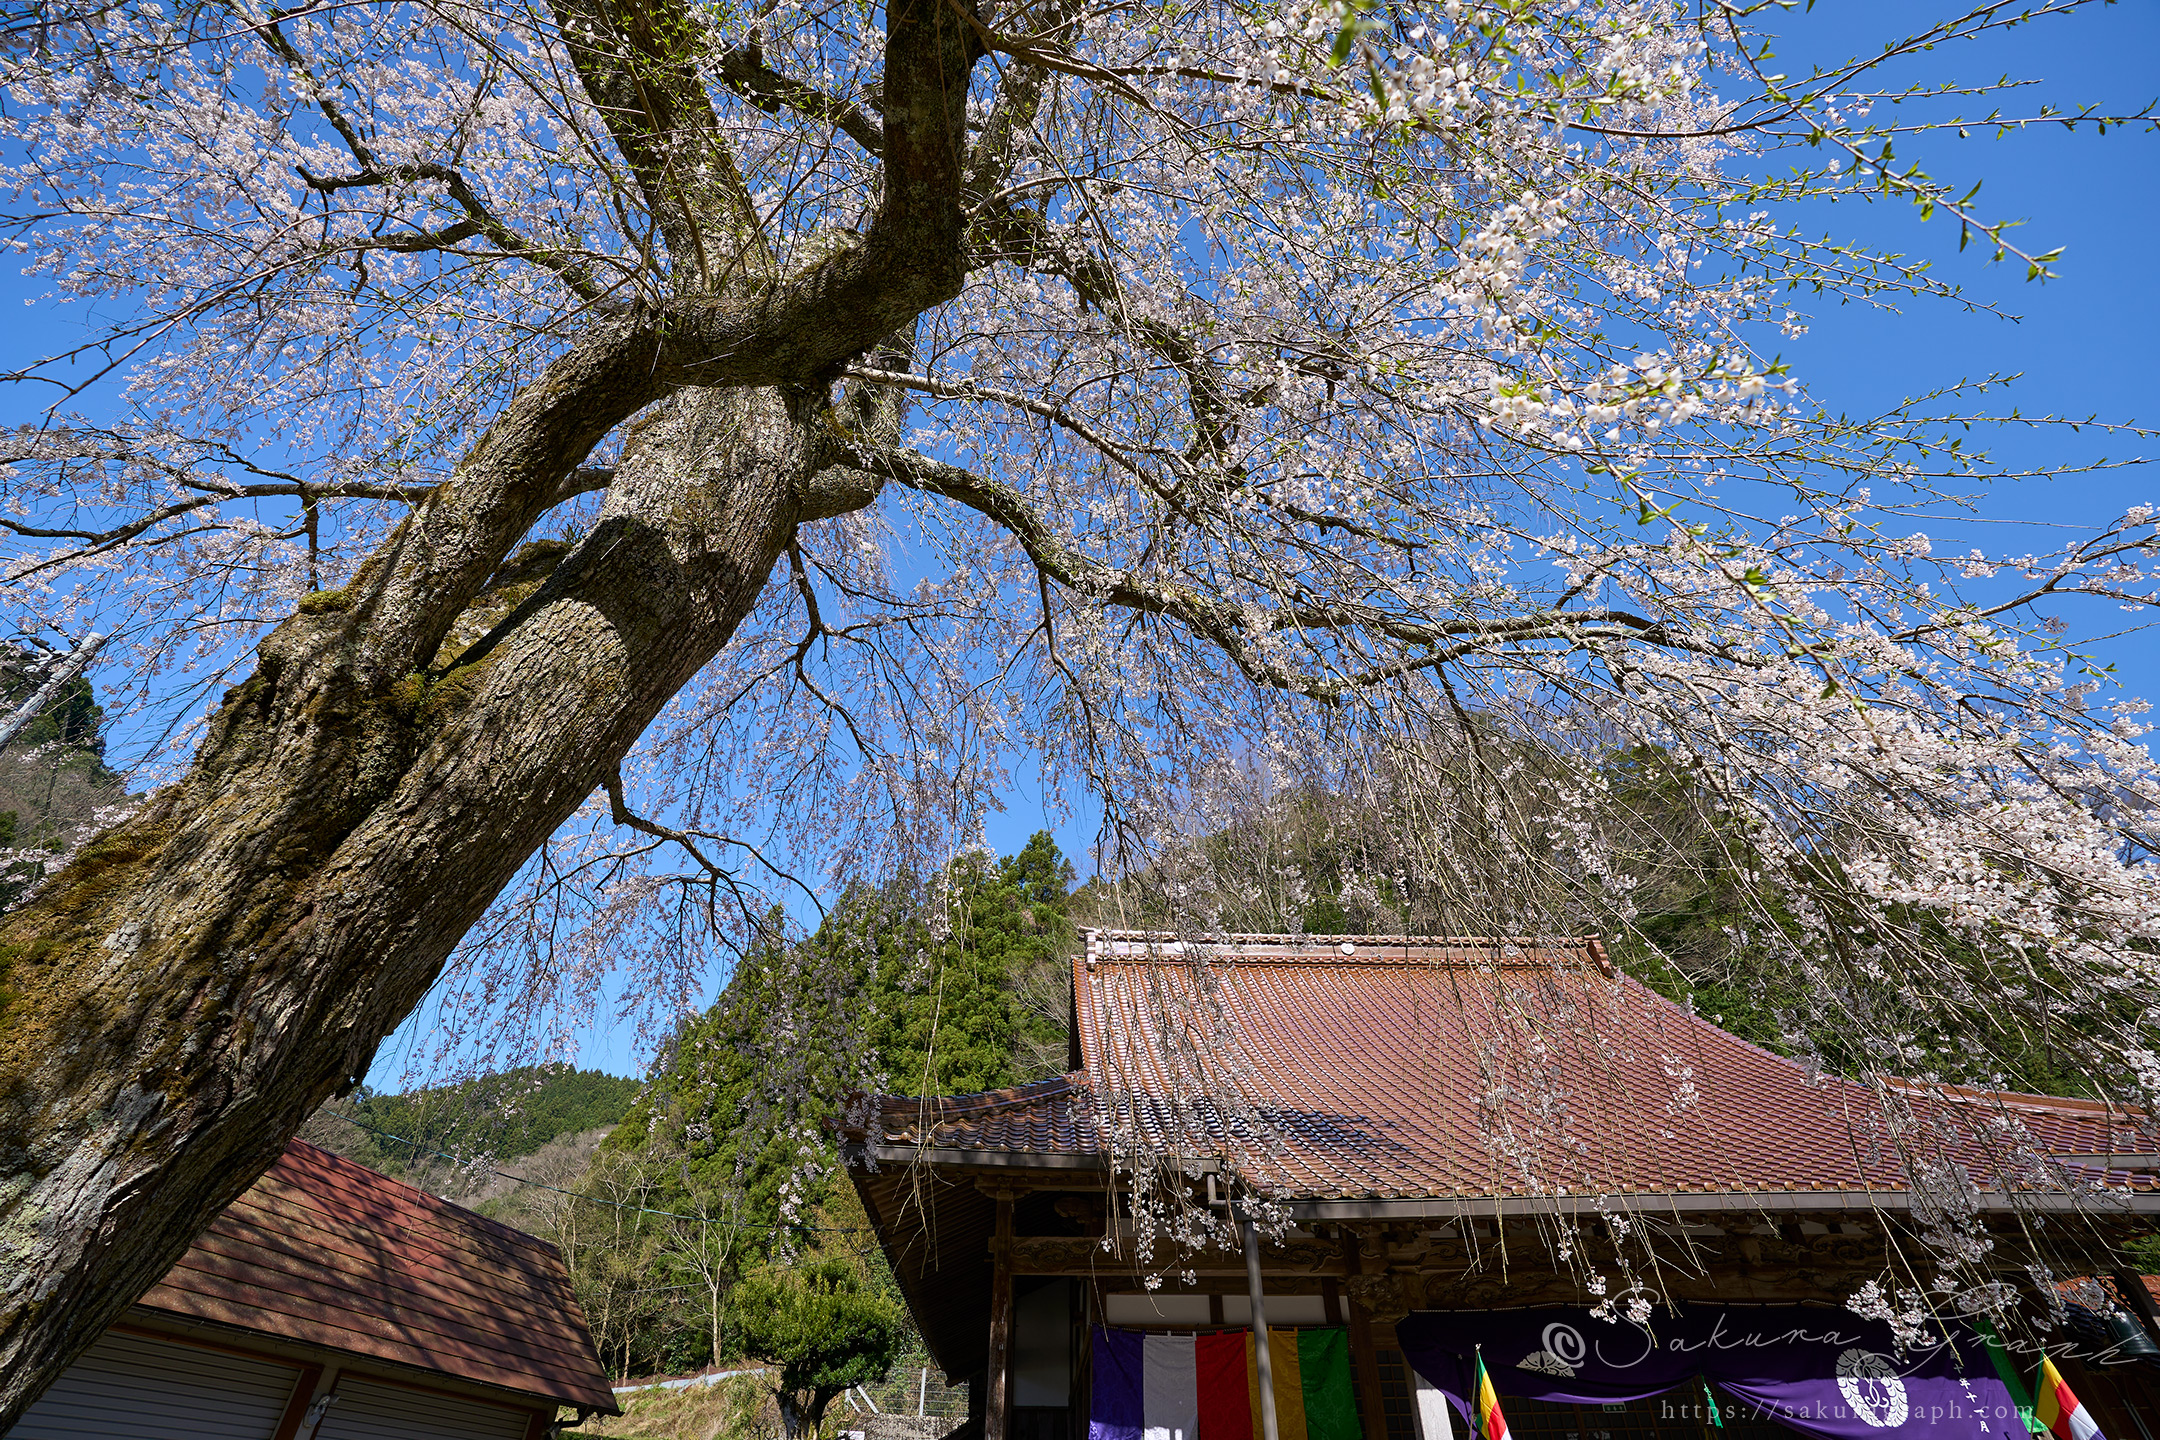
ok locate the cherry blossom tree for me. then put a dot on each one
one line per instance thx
(575, 474)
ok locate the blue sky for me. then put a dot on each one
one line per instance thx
(2081, 341)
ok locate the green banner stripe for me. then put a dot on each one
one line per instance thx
(2007, 1373)
(1324, 1366)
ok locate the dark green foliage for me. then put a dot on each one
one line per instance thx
(509, 1115)
(894, 990)
(823, 1324)
(1694, 936)
(952, 1012)
(742, 1087)
(1710, 924)
(738, 1103)
(745, 1085)
(53, 775)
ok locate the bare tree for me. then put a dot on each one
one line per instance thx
(704, 1247)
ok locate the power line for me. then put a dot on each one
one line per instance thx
(418, 1148)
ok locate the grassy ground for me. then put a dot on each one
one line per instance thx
(734, 1409)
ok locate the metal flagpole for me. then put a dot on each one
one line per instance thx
(1265, 1363)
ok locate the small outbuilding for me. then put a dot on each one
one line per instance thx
(1464, 1148)
(331, 1302)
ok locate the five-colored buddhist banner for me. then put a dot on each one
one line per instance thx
(1154, 1386)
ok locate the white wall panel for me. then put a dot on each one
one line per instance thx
(133, 1388)
(366, 1410)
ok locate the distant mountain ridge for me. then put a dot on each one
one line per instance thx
(538, 1122)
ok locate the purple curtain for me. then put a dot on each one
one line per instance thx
(1815, 1370)
(1118, 1393)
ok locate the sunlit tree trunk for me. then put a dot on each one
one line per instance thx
(185, 992)
(801, 1418)
(201, 977)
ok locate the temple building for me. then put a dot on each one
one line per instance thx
(1411, 1156)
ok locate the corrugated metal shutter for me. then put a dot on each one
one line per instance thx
(365, 1410)
(132, 1388)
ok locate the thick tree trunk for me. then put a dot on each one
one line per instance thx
(802, 1419)
(200, 978)
(175, 1002)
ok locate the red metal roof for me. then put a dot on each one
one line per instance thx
(1392, 1067)
(326, 1252)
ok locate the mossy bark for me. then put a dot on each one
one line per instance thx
(199, 979)
(202, 977)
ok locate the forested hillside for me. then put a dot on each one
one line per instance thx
(722, 1165)
(539, 1122)
(53, 776)
(1645, 854)
(665, 1197)
(508, 1115)
(959, 982)
(953, 984)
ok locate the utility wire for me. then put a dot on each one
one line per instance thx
(419, 1149)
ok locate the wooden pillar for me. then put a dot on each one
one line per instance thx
(1262, 1360)
(304, 1394)
(997, 1407)
(1372, 1407)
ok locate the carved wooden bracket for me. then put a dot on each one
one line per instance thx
(1384, 1297)
(1085, 1255)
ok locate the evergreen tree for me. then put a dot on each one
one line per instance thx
(823, 1324)
(788, 1024)
(901, 987)
(952, 1018)
(913, 986)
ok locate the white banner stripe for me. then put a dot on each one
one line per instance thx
(1169, 1388)
(1435, 1417)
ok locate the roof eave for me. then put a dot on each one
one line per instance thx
(1450, 1207)
(1457, 1207)
(159, 1319)
(966, 1159)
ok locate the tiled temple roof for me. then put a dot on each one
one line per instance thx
(1395, 1068)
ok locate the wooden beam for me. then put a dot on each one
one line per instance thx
(1372, 1409)
(1084, 1255)
(997, 1412)
(303, 1396)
